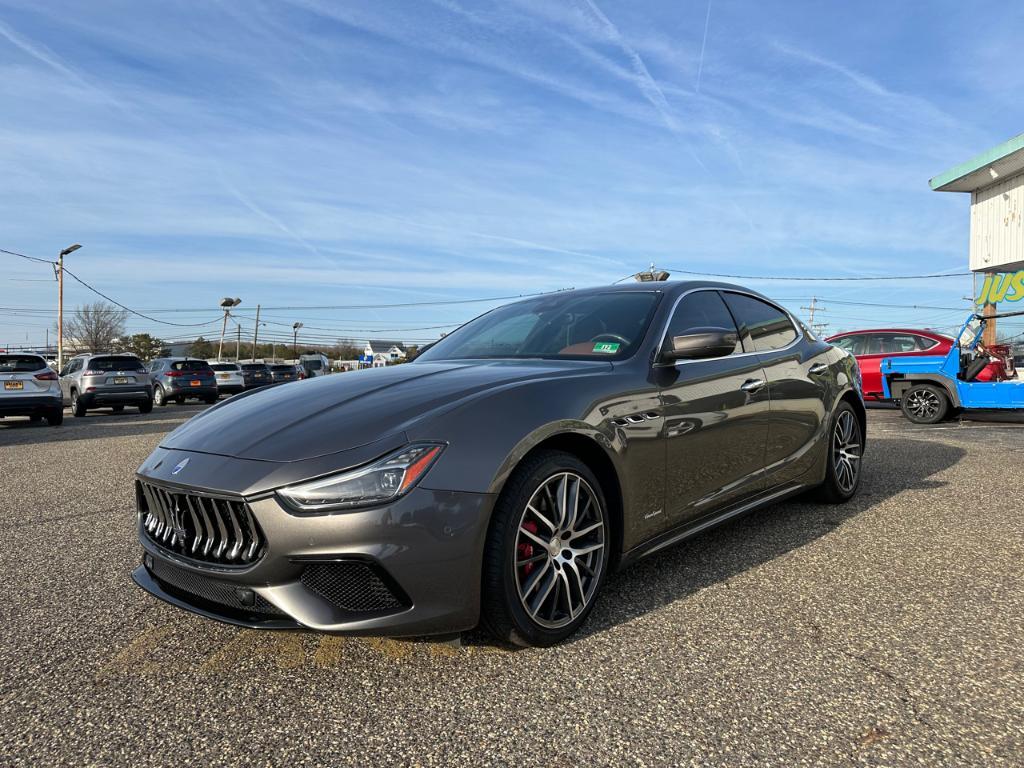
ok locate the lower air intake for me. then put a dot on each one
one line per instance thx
(205, 589)
(355, 586)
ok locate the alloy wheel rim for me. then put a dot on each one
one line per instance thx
(923, 404)
(559, 550)
(846, 451)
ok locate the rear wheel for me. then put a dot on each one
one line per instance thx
(35, 418)
(118, 408)
(547, 551)
(845, 448)
(77, 406)
(55, 417)
(925, 404)
(210, 399)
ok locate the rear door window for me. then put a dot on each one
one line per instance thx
(763, 327)
(21, 363)
(849, 344)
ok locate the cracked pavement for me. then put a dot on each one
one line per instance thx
(883, 632)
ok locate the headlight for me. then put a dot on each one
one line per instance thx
(384, 480)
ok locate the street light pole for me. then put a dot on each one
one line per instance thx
(60, 302)
(256, 333)
(226, 304)
(295, 341)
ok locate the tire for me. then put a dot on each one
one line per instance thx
(179, 400)
(55, 417)
(159, 398)
(210, 400)
(520, 603)
(845, 451)
(77, 406)
(146, 407)
(35, 419)
(925, 404)
(118, 408)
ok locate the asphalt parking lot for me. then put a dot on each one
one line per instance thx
(884, 632)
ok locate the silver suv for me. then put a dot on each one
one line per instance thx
(115, 380)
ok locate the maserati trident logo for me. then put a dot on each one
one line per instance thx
(178, 522)
(179, 466)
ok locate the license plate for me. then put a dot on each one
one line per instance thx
(223, 375)
(14, 385)
(120, 379)
(195, 383)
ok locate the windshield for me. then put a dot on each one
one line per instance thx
(106, 364)
(567, 325)
(312, 365)
(21, 363)
(190, 365)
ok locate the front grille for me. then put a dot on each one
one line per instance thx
(211, 530)
(354, 585)
(196, 585)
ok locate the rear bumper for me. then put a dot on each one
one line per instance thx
(410, 568)
(30, 405)
(230, 389)
(119, 396)
(201, 392)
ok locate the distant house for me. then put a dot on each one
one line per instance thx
(378, 353)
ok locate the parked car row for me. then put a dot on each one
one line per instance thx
(30, 387)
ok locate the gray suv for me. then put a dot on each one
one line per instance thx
(115, 380)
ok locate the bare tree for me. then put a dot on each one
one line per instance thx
(94, 327)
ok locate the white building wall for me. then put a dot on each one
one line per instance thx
(997, 228)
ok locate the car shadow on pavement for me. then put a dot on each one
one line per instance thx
(737, 546)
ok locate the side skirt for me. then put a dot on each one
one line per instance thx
(687, 530)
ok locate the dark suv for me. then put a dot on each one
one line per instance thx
(256, 375)
(115, 380)
(181, 378)
(284, 372)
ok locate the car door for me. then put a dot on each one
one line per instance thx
(798, 375)
(716, 414)
(67, 378)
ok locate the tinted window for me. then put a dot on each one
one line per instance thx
(21, 363)
(312, 365)
(592, 325)
(923, 342)
(890, 343)
(849, 343)
(762, 326)
(190, 365)
(283, 368)
(224, 366)
(116, 364)
(254, 367)
(698, 311)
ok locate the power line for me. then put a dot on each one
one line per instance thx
(30, 258)
(132, 311)
(818, 279)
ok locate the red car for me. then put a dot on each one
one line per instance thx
(873, 346)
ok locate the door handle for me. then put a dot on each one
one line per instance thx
(817, 369)
(752, 385)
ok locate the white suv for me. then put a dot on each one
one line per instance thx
(229, 377)
(29, 387)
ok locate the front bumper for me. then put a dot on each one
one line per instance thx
(30, 405)
(409, 568)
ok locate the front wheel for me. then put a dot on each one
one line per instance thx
(925, 404)
(77, 406)
(159, 398)
(547, 551)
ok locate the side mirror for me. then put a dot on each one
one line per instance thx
(700, 344)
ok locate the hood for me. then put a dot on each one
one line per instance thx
(327, 414)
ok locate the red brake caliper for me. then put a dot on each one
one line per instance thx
(525, 549)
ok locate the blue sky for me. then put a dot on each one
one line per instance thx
(324, 153)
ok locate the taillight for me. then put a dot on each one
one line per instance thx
(48, 376)
(175, 374)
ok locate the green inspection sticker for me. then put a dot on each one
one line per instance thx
(607, 347)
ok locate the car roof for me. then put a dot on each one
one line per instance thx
(915, 331)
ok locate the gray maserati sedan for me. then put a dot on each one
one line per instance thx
(500, 476)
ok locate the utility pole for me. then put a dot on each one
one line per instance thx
(811, 310)
(295, 341)
(255, 333)
(60, 302)
(226, 304)
(238, 345)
